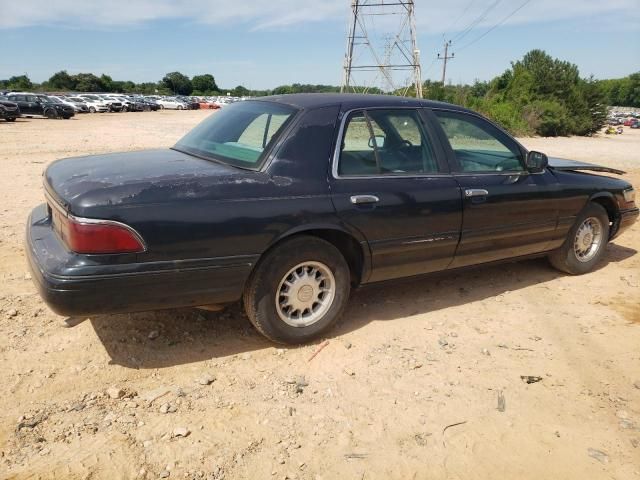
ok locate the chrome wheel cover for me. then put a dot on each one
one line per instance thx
(305, 294)
(588, 239)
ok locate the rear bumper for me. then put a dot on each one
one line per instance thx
(625, 219)
(75, 285)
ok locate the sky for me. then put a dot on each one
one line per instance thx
(265, 43)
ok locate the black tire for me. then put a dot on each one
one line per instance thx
(10, 119)
(260, 292)
(566, 259)
(50, 113)
(92, 109)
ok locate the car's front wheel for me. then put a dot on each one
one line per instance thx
(298, 290)
(586, 242)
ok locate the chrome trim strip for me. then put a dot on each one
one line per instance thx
(94, 221)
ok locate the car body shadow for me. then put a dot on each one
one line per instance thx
(174, 337)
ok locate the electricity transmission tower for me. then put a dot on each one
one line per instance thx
(381, 45)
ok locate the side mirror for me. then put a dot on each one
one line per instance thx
(379, 141)
(536, 162)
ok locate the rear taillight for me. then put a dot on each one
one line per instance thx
(97, 236)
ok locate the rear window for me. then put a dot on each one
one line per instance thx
(239, 134)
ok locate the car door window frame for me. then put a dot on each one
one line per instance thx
(456, 167)
(431, 136)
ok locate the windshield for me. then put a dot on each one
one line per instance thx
(240, 134)
(54, 100)
(44, 99)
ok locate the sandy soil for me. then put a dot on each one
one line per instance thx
(422, 380)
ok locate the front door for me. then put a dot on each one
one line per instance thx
(33, 106)
(391, 182)
(508, 212)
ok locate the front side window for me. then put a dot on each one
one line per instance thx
(387, 142)
(478, 145)
(239, 134)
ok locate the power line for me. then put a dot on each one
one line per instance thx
(495, 26)
(462, 14)
(475, 22)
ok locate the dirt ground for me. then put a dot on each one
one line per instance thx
(422, 379)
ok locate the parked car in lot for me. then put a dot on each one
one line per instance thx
(171, 104)
(41, 106)
(9, 110)
(190, 104)
(114, 104)
(94, 102)
(289, 202)
(208, 104)
(78, 106)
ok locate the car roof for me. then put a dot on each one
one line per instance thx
(350, 101)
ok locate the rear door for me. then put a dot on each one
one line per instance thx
(22, 103)
(508, 212)
(390, 181)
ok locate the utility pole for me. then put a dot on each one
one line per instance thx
(370, 48)
(445, 58)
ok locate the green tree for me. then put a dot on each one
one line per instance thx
(177, 83)
(20, 82)
(106, 84)
(88, 82)
(147, 88)
(205, 84)
(61, 81)
(622, 92)
(240, 91)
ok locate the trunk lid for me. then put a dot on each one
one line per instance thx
(88, 186)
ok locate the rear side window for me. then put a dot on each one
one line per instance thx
(478, 145)
(239, 134)
(385, 142)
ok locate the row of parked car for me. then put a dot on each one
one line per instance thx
(65, 106)
(626, 119)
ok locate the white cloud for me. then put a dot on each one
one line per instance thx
(432, 17)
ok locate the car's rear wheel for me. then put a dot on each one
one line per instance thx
(298, 290)
(586, 242)
(12, 119)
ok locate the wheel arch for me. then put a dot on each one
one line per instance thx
(607, 201)
(353, 247)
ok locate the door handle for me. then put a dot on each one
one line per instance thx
(363, 199)
(475, 192)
